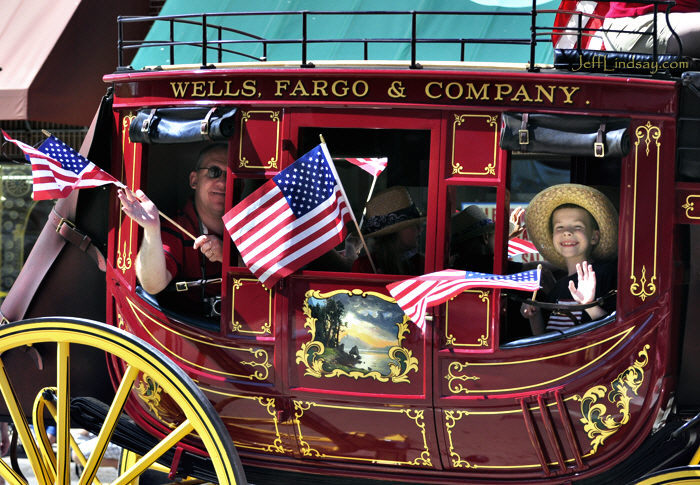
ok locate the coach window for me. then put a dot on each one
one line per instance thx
(398, 197)
(472, 229)
(166, 183)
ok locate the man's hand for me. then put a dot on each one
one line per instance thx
(211, 247)
(139, 208)
(585, 293)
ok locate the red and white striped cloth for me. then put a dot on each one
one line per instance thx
(375, 166)
(415, 295)
(57, 169)
(565, 33)
(517, 246)
(295, 217)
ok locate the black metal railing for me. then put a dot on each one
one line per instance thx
(218, 40)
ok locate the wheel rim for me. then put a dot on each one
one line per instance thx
(139, 357)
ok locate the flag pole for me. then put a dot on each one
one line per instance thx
(539, 272)
(369, 196)
(342, 191)
(187, 233)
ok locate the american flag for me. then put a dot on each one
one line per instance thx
(415, 295)
(57, 169)
(295, 217)
(565, 33)
(375, 166)
(517, 246)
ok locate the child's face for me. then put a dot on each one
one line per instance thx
(573, 234)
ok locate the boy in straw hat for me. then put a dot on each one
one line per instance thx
(575, 228)
(392, 226)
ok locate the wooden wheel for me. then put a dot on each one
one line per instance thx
(139, 358)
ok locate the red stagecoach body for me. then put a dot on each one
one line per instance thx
(470, 399)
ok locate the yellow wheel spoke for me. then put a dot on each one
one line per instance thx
(41, 403)
(110, 423)
(149, 458)
(63, 414)
(22, 428)
(9, 474)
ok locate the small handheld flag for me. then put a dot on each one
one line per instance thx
(416, 295)
(517, 246)
(375, 166)
(57, 169)
(295, 217)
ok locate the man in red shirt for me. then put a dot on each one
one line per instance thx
(639, 17)
(165, 252)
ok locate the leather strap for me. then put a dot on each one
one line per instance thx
(66, 229)
(186, 285)
(46, 249)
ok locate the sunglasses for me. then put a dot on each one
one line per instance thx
(214, 172)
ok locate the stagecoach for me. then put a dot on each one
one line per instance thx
(322, 374)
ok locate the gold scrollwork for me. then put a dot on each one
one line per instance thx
(150, 392)
(690, 206)
(451, 418)
(639, 287)
(269, 404)
(261, 367)
(599, 425)
(124, 262)
(490, 168)
(236, 327)
(310, 352)
(483, 340)
(415, 415)
(452, 378)
(643, 289)
(243, 162)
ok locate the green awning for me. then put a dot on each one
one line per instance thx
(280, 28)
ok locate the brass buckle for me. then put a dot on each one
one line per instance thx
(599, 149)
(64, 221)
(181, 286)
(524, 137)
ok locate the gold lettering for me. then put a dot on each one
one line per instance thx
(482, 94)
(360, 84)
(249, 88)
(541, 91)
(568, 92)
(320, 87)
(343, 91)
(522, 92)
(228, 89)
(179, 88)
(502, 90)
(198, 89)
(211, 89)
(282, 85)
(449, 90)
(428, 89)
(299, 88)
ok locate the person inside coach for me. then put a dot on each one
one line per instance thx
(166, 253)
(392, 227)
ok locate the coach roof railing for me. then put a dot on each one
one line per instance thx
(226, 36)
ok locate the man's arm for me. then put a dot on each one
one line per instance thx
(150, 260)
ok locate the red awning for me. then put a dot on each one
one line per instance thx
(54, 54)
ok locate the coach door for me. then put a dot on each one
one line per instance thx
(359, 371)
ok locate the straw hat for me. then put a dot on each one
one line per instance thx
(539, 214)
(469, 223)
(389, 212)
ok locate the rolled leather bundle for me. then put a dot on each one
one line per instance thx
(565, 134)
(182, 125)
